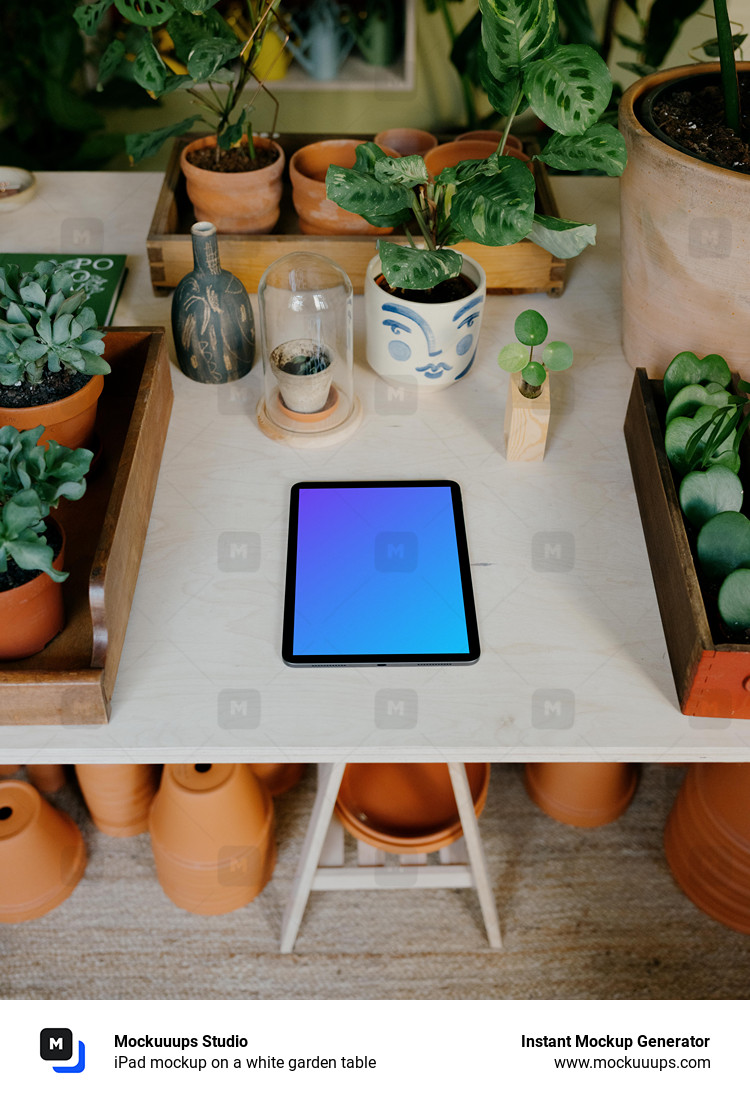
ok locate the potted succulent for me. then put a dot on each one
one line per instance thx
(412, 289)
(304, 372)
(685, 260)
(233, 176)
(33, 480)
(527, 409)
(684, 442)
(50, 354)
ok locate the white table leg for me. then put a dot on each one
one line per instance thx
(329, 781)
(474, 847)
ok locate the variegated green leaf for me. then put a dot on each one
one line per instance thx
(145, 13)
(206, 58)
(89, 16)
(416, 268)
(409, 171)
(363, 194)
(601, 147)
(569, 88)
(496, 209)
(562, 238)
(197, 7)
(514, 32)
(110, 61)
(148, 68)
(187, 30)
(502, 94)
(140, 146)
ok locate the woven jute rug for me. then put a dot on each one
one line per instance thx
(585, 913)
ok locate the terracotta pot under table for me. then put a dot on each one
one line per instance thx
(586, 795)
(42, 854)
(707, 841)
(406, 808)
(118, 796)
(212, 833)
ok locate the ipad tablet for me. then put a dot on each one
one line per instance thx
(378, 574)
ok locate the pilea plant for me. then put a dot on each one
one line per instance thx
(492, 201)
(45, 325)
(531, 330)
(33, 480)
(704, 426)
(214, 53)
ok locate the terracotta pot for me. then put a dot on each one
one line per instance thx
(407, 141)
(42, 854)
(48, 778)
(235, 202)
(511, 142)
(69, 421)
(707, 841)
(212, 835)
(685, 246)
(279, 778)
(32, 615)
(582, 794)
(433, 352)
(9, 769)
(118, 796)
(453, 152)
(406, 807)
(307, 171)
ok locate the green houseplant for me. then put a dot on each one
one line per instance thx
(490, 201)
(683, 207)
(215, 55)
(704, 424)
(51, 365)
(528, 407)
(34, 478)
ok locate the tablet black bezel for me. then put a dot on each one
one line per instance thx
(318, 660)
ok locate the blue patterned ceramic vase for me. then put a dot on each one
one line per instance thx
(212, 319)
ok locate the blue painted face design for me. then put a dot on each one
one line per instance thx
(413, 336)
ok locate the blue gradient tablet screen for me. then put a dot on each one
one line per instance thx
(378, 572)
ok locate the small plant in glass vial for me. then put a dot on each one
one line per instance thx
(531, 332)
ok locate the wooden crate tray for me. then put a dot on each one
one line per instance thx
(522, 268)
(711, 675)
(71, 681)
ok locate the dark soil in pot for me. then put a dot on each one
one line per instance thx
(451, 290)
(53, 387)
(232, 160)
(14, 576)
(691, 115)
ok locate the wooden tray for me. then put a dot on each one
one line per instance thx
(711, 675)
(71, 681)
(522, 268)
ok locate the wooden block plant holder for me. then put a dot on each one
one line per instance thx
(526, 424)
(513, 269)
(71, 681)
(712, 676)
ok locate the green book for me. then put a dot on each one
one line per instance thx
(102, 275)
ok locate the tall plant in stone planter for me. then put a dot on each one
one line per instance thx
(684, 201)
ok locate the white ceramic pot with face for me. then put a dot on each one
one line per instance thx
(430, 345)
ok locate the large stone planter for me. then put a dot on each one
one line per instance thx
(685, 246)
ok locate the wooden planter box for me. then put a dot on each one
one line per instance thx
(71, 681)
(522, 268)
(711, 675)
